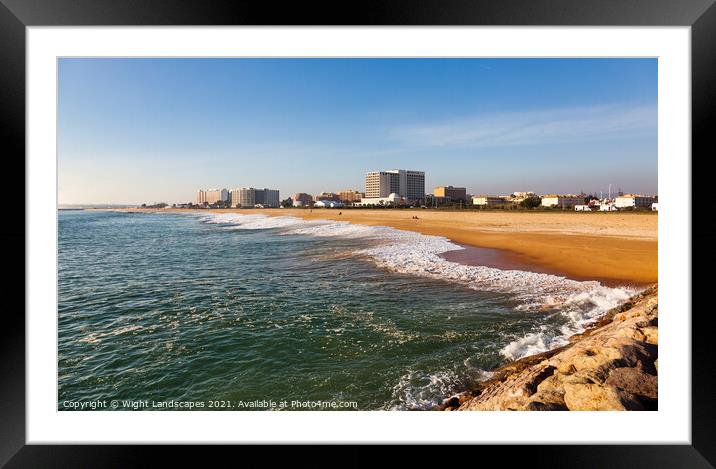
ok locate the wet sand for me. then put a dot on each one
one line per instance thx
(507, 260)
(616, 248)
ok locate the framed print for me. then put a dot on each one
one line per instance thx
(424, 224)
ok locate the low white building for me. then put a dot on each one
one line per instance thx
(634, 200)
(608, 208)
(328, 204)
(392, 199)
(582, 208)
(523, 194)
(489, 200)
(655, 207)
(562, 201)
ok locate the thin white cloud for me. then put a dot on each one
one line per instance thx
(531, 128)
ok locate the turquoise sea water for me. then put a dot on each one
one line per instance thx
(232, 308)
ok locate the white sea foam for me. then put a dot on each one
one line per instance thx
(339, 229)
(419, 390)
(252, 222)
(416, 254)
(533, 343)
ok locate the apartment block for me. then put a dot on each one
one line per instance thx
(350, 196)
(211, 196)
(326, 196)
(302, 199)
(248, 197)
(453, 193)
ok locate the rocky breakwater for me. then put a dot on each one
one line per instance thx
(613, 365)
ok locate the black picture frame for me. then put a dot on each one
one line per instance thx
(16, 15)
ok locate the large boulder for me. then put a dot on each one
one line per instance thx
(591, 396)
(651, 334)
(634, 381)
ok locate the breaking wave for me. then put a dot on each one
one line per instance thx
(406, 252)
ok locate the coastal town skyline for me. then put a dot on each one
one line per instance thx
(156, 130)
(400, 187)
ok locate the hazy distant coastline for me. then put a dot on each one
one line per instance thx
(92, 206)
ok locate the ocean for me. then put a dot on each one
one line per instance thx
(240, 309)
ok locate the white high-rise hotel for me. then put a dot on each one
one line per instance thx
(405, 183)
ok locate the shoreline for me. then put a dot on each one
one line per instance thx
(612, 249)
(507, 260)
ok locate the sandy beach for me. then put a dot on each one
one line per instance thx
(616, 248)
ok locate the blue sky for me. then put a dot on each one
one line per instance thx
(150, 130)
